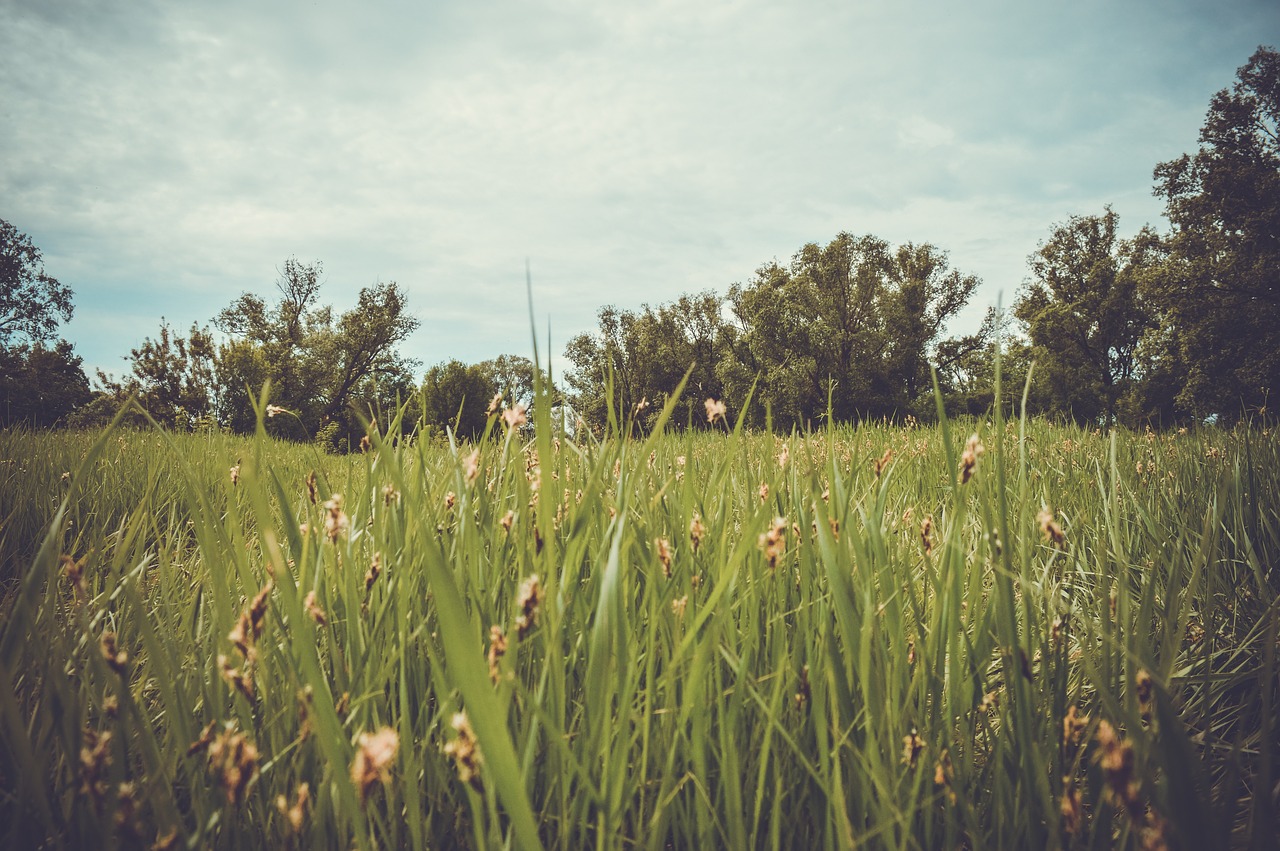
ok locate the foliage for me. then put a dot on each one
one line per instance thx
(1220, 295)
(922, 653)
(32, 303)
(41, 386)
(1085, 312)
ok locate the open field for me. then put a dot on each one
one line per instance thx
(616, 644)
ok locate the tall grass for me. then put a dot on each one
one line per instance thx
(876, 685)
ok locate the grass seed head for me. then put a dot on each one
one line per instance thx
(528, 601)
(311, 487)
(497, 649)
(313, 608)
(295, 814)
(117, 660)
(696, 531)
(716, 410)
(372, 763)
(664, 555)
(774, 542)
(233, 761)
(465, 751)
(515, 416)
(973, 450)
(912, 747)
(1049, 527)
(882, 463)
(678, 606)
(335, 521)
(235, 474)
(471, 466)
(926, 534)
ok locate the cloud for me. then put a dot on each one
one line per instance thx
(167, 157)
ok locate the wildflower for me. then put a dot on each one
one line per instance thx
(313, 608)
(774, 541)
(926, 534)
(882, 463)
(664, 555)
(116, 659)
(374, 753)
(497, 649)
(272, 410)
(528, 600)
(471, 466)
(973, 449)
(495, 404)
(295, 814)
(1049, 528)
(233, 759)
(515, 416)
(371, 575)
(912, 747)
(235, 474)
(465, 752)
(335, 522)
(716, 411)
(696, 531)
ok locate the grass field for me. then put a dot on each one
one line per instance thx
(679, 640)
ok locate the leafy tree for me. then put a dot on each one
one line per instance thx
(853, 323)
(457, 396)
(1220, 293)
(1084, 312)
(41, 386)
(318, 366)
(643, 356)
(173, 378)
(32, 303)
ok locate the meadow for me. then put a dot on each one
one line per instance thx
(883, 636)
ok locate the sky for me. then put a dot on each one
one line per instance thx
(168, 156)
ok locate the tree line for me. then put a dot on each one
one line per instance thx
(1158, 328)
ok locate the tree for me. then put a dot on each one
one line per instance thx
(1084, 312)
(173, 378)
(1219, 294)
(41, 386)
(32, 303)
(457, 396)
(319, 367)
(851, 324)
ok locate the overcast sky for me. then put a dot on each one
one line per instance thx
(167, 156)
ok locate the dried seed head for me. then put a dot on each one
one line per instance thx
(803, 692)
(774, 542)
(882, 463)
(235, 474)
(507, 520)
(117, 660)
(696, 531)
(495, 405)
(1116, 759)
(335, 522)
(1071, 807)
(372, 764)
(528, 601)
(973, 449)
(95, 758)
(296, 813)
(763, 490)
(640, 407)
(515, 416)
(450, 500)
(1073, 725)
(371, 575)
(241, 680)
(1049, 528)
(678, 606)
(1143, 687)
(203, 741)
(784, 455)
(313, 608)
(311, 487)
(497, 649)
(233, 760)
(390, 495)
(912, 747)
(664, 555)
(465, 752)
(471, 467)
(716, 410)
(944, 773)
(273, 410)
(926, 534)
(74, 571)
